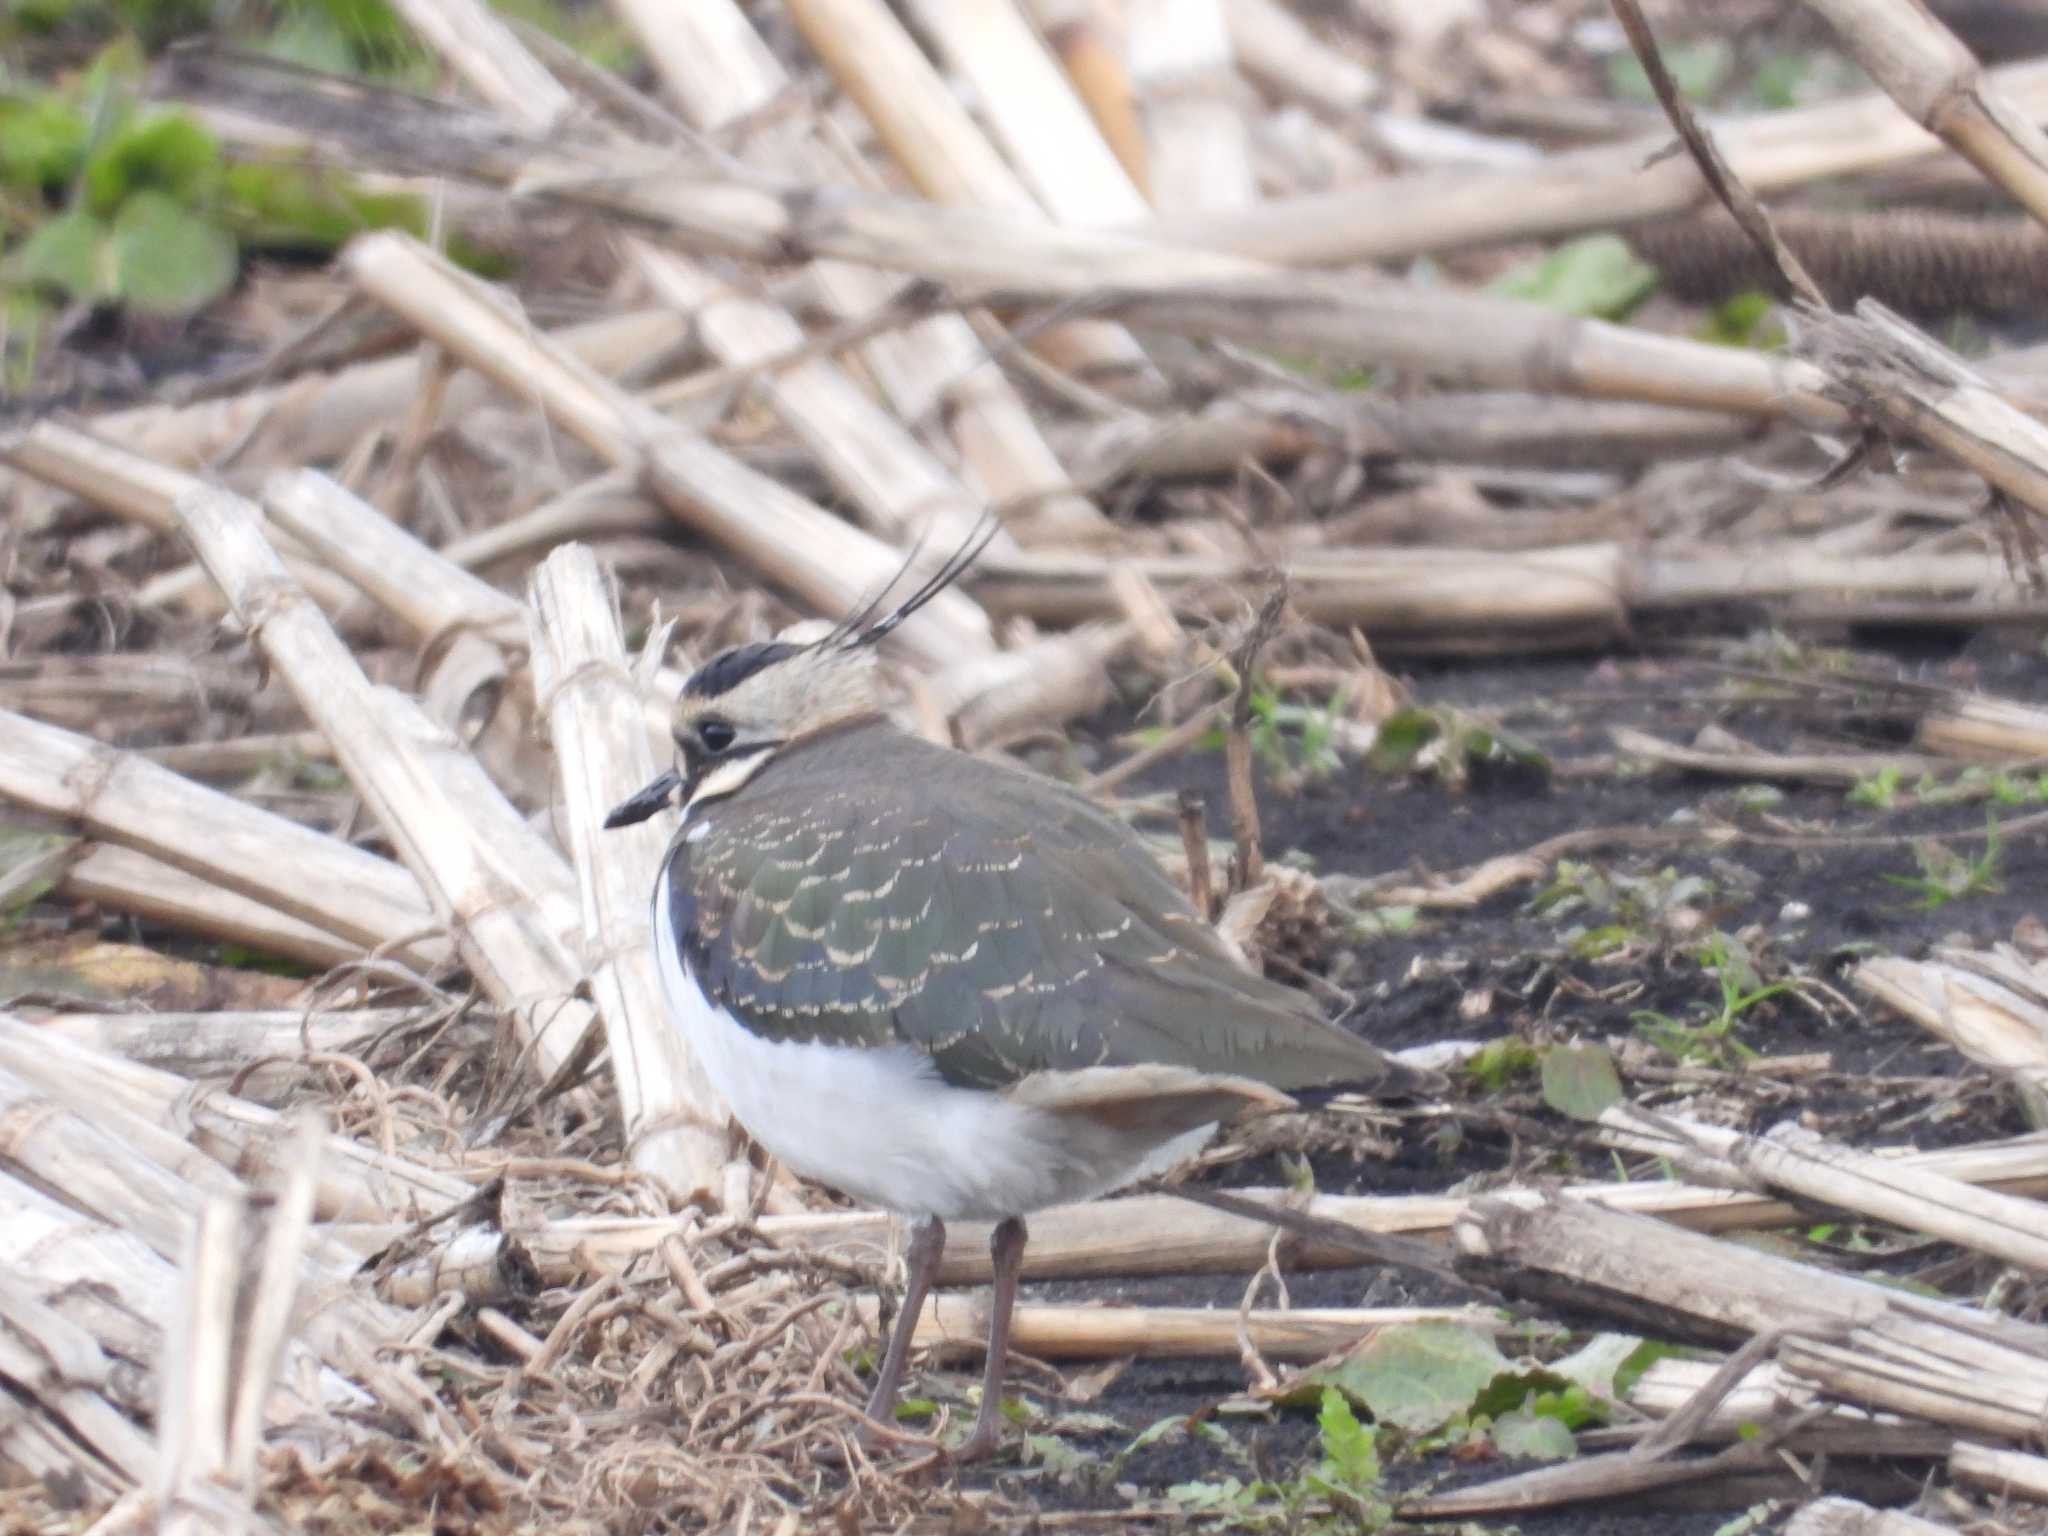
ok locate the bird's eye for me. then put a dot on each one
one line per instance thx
(716, 735)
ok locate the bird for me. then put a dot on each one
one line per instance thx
(943, 984)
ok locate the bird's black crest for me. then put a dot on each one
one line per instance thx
(861, 627)
(727, 670)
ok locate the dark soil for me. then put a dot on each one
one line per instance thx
(1809, 885)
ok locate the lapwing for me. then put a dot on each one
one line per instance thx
(940, 984)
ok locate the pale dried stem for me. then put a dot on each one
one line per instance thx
(1198, 149)
(509, 894)
(793, 543)
(941, 149)
(719, 70)
(1937, 82)
(1978, 729)
(126, 799)
(674, 1123)
(1436, 211)
(2002, 1473)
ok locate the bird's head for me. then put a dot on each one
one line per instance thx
(747, 703)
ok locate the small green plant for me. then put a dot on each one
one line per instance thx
(1617, 912)
(1708, 1036)
(1445, 742)
(1946, 875)
(1879, 790)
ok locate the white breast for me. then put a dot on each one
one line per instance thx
(878, 1123)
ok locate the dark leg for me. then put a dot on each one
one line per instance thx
(927, 1246)
(1006, 1248)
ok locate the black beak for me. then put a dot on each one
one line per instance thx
(654, 797)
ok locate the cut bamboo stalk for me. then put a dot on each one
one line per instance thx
(1034, 112)
(1404, 216)
(1926, 69)
(1979, 729)
(945, 155)
(312, 419)
(1768, 1395)
(958, 1326)
(1158, 1234)
(2002, 1473)
(358, 1184)
(826, 563)
(125, 799)
(1281, 54)
(509, 893)
(1198, 152)
(126, 881)
(240, 754)
(720, 71)
(674, 1123)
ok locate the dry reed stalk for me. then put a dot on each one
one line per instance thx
(1890, 373)
(1037, 686)
(1766, 1395)
(461, 622)
(199, 1045)
(124, 798)
(1003, 258)
(1936, 1360)
(134, 487)
(674, 1123)
(240, 754)
(1287, 59)
(1093, 59)
(957, 1325)
(1281, 426)
(1404, 216)
(1808, 767)
(719, 70)
(1160, 1234)
(1033, 111)
(791, 542)
(124, 880)
(192, 1495)
(868, 457)
(358, 1184)
(1979, 729)
(1990, 1005)
(60, 1365)
(1444, 599)
(610, 502)
(509, 894)
(1937, 82)
(2004, 1474)
(940, 148)
(1791, 1160)
(1788, 569)
(1198, 151)
(1836, 1516)
(899, 487)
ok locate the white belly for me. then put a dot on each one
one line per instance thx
(881, 1125)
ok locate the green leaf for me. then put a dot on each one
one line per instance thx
(1417, 1377)
(68, 253)
(1748, 319)
(299, 208)
(1351, 1457)
(1580, 1080)
(42, 140)
(1533, 1436)
(1499, 1060)
(169, 259)
(1595, 275)
(1698, 69)
(1595, 1364)
(165, 151)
